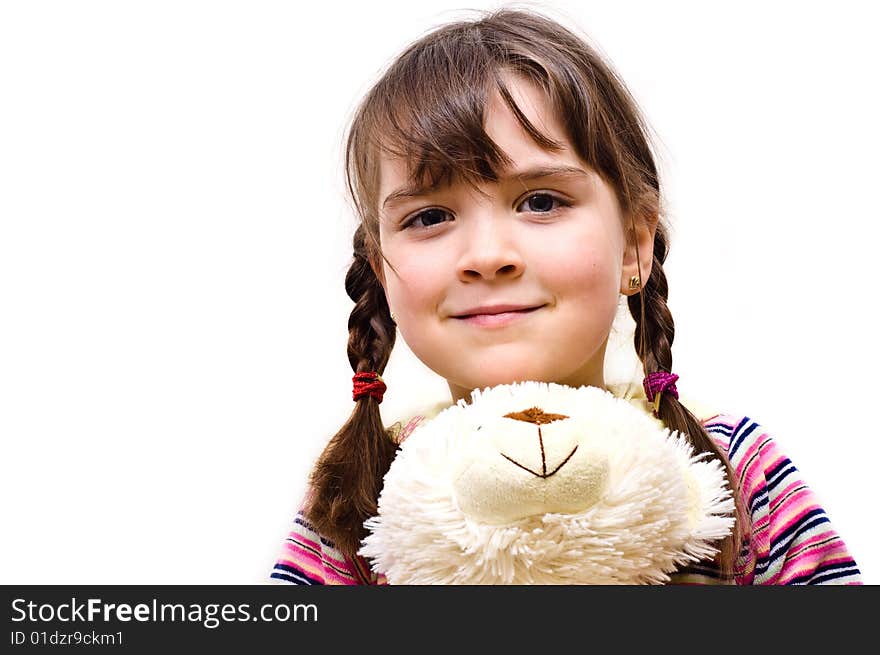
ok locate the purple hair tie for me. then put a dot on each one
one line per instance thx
(658, 382)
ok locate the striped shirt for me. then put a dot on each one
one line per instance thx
(790, 541)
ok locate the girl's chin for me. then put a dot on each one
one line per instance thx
(494, 380)
(485, 378)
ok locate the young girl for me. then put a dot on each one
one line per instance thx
(508, 196)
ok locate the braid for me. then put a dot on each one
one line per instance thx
(371, 332)
(347, 478)
(654, 334)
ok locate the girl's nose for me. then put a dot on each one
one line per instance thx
(490, 250)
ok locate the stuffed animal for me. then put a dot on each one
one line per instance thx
(541, 483)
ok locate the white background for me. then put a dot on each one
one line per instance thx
(174, 238)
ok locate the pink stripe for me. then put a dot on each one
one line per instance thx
(409, 428)
(796, 515)
(794, 503)
(751, 466)
(781, 496)
(332, 577)
(761, 524)
(812, 542)
(771, 455)
(722, 441)
(725, 420)
(808, 562)
(300, 537)
(302, 540)
(295, 552)
(313, 566)
(299, 556)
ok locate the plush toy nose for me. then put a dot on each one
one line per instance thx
(538, 417)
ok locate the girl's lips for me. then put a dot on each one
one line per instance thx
(497, 320)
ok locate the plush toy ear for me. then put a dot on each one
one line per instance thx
(710, 505)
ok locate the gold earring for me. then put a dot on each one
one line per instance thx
(393, 318)
(634, 282)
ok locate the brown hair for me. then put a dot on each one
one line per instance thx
(428, 110)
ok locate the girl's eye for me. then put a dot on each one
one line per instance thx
(542, 203)
(429, 218)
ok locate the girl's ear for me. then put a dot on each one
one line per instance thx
(645, 229)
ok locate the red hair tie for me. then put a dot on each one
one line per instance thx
(368, 384)
(658, 382)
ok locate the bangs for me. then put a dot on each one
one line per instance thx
(437, 128)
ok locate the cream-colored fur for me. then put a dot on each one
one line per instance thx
(589, 490)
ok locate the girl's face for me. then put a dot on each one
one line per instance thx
(547, 239)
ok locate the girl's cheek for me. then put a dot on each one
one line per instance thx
(417, 282)
(578, 261)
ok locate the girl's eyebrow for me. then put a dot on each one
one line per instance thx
(533, 173)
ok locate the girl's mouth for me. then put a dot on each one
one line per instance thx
(497, 320)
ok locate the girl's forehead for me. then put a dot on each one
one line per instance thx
(520, 138)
